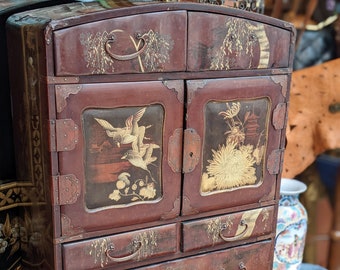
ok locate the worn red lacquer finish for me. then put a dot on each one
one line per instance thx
(154, 132)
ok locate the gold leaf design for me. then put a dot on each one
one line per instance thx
(95, 55)
(230, 167)
(236, 162)
(237, 48)
(157, 51)
(155, 55)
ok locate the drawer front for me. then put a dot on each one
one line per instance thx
(235, 43)
(243, 257)
(227, 228)
(122, 248)
(133, 44)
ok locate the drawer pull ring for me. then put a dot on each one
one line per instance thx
(236, 237)
(126, 57)
(125, 258)
(241, 266)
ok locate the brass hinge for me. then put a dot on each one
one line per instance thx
(64, 135)
(275, 161)
(65, 189)
(279, 116)
(59, 80)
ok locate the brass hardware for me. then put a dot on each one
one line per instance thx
(242, 266)
(62, 92)
(66, 135)
(274, 161)
(69, 189)
(236, 237)
(60, 80)
(334, 108)
(175, 150)
(191, 150)
(66, 189)
(279, 116)
(127, 57)
(136, 244)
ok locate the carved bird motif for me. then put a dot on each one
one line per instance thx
(131, 133)
(142, 159)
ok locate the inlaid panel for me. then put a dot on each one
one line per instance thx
(237, 125)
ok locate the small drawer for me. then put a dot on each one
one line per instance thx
(248, 257)
(235, 43)
(151, 42)
(121, 248)
(227, 228)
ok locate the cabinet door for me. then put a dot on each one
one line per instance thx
(117, 172)
(232, 141)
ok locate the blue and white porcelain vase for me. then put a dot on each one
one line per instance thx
(291, 228)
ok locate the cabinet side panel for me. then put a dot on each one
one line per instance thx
(26, 51)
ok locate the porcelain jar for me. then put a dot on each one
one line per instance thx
(291, 228)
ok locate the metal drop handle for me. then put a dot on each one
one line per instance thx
(236, 237)
(126, 57)
(125, 258)
(242, 266)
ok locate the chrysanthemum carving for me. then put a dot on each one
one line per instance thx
(230, 167)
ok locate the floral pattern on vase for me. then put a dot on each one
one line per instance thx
(291, 228)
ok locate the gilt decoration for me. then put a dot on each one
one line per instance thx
(234, 158)
(142, 246)
(240, 44)
(123, 157)
(146, 52)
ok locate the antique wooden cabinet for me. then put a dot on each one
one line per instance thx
(154, 133)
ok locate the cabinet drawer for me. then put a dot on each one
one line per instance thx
(153, 42)
(243, 257)
(235, 43)
(118, 249)
(227, 228)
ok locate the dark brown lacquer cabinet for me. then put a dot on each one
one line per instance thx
(154, 133)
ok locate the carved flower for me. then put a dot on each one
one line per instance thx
(236, 136)
(115, 195)
(231, 167)
(148, 192)
(120, 184)
(231, 111)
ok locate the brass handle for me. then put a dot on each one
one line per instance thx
(126, 57)
(242, 266)
(125, 258)
(236, 237)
